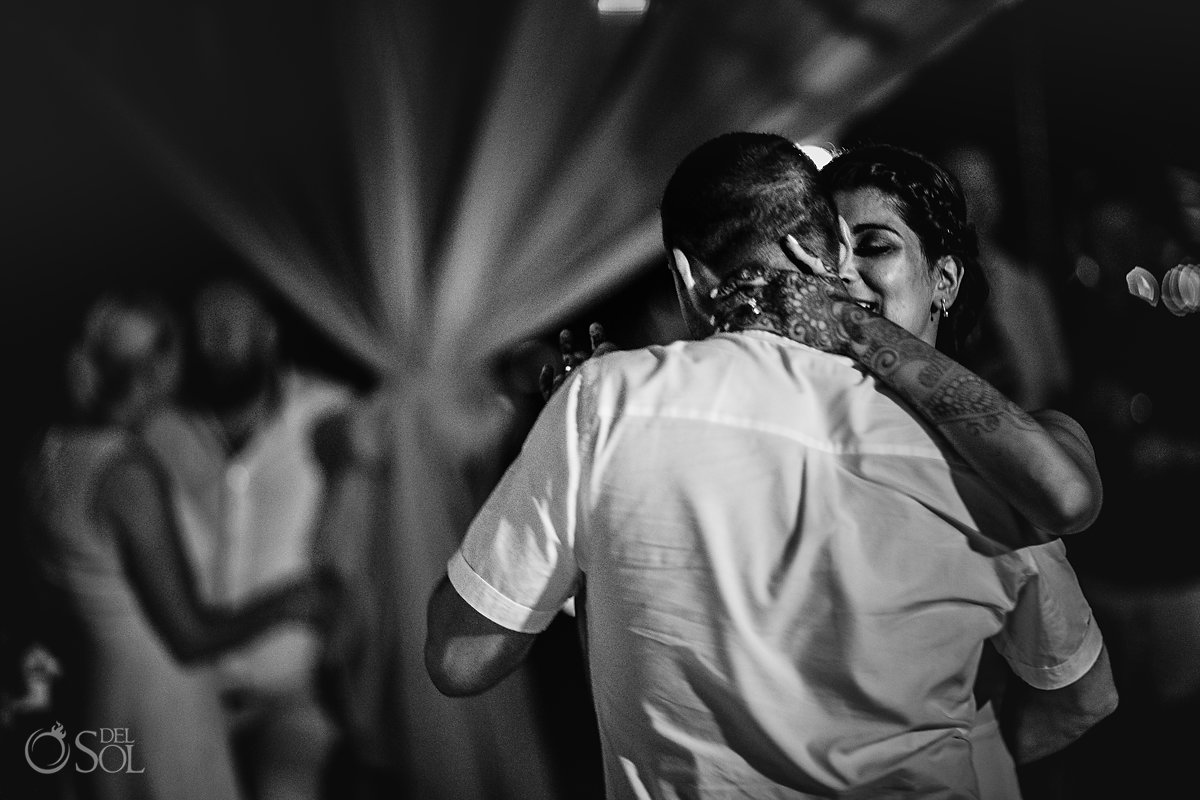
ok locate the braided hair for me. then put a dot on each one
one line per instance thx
(930, 201)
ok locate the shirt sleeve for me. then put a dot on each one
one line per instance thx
(1051, 638)
(517, 564)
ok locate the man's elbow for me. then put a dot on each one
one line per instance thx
(449, 675)
(1102, 708)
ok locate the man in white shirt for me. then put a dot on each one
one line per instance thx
(249, 491)
(789, 581)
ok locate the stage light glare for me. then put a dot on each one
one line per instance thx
(622, 6)
(819, 155)
(1141, 284)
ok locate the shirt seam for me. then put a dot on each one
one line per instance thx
(745, 423)
(490, 602)
(1067, 671)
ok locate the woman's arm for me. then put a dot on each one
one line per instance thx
(1043, 466)
(133, 497)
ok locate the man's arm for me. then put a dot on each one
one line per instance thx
(465, 652)
(517, 563)
(1036, 723)
(1053, 644)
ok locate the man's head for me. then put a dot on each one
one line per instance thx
(237, 343)
(731, 202)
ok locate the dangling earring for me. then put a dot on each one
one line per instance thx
(945, 311)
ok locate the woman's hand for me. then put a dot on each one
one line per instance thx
(550, 378)
(820, 310)
(315, 599)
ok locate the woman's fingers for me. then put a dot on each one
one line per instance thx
(802, 258)
(566, 346)
(549, 379)
(599, 340)
(595, 335)
(546, 381)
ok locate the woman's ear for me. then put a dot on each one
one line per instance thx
(948, 273)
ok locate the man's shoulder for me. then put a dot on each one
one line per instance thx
(175, 422)
(180, 418)
(302, 384)
(312, 395)
(689, 352)
(622, 364)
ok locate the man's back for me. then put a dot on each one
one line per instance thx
(781, 585)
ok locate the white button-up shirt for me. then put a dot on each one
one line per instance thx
(248, 520)
(788, 580)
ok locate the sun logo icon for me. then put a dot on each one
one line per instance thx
(58, 734)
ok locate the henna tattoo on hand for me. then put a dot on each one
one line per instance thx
(792, 304)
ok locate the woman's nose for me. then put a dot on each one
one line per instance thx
(848, 271)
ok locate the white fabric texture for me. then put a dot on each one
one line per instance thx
(248, 520)
(786, 593)
(1051, 639)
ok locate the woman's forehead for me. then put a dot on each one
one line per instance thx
(865, 204)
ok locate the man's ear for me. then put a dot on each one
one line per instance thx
(845, 241)
(948, 272)
(683, 268)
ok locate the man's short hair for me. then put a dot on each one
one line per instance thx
(741, 192)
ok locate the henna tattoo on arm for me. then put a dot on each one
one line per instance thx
(944, 391)
(966, 398)
(1007, 448)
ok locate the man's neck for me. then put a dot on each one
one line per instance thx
(758, 297)
(239, 423)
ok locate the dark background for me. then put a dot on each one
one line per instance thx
(1052, 87)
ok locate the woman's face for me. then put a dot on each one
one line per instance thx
(887, 268)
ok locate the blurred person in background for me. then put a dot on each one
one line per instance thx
(472, 646)
(250, 493)
(1183, 215)
(1019, 347)
(108, 545)
(1135, 391)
